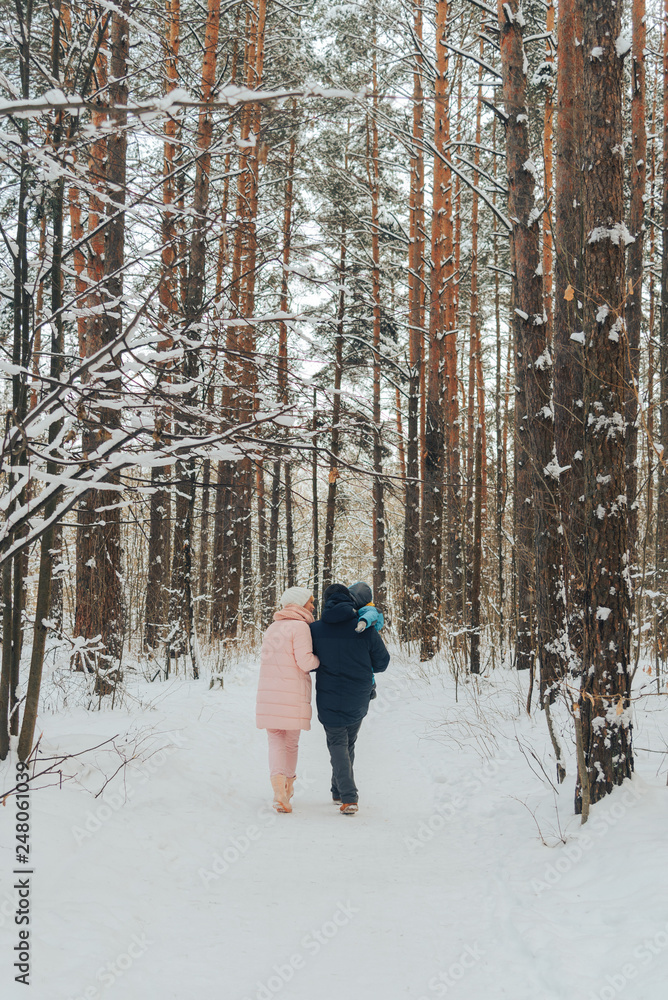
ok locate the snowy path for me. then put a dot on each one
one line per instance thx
(192, 887)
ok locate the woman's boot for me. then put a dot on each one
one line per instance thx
(290, 787)
(281, 801)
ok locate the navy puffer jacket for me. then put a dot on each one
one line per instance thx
(348, 660)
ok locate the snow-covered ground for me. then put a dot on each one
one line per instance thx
(465, 873)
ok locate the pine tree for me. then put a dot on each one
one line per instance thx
(605, 691)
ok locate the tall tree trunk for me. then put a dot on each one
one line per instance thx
(79, 263)
(159, 552)
(467, 528)
(13, 569)
(379, 575)
(604, 698)
(548, 160)
(500, 429)
(662, 476)
(412, 545)
(651, 323)
(637, 183)
(476, 561)
(290, 553)
(439, 331)
(48, 539)
(273, 538)
(89, 544)
(533, 355)
(263, 525)
(526, 302)
(243, 299)
(181, 610)
(205, 516)
(504, 437)
(160, 502)
(226, 554)
(330, 510)
(568, 350)
(226, 569)
(228, 540)
(400, 432)
(256, 66)
(455, 595)
(5, 675)
(283, 359)
(315, 505)
(477, 441)
(99, 592)
(114, 262)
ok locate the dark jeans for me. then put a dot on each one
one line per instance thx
(341, 746)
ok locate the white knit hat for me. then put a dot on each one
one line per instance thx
(295, 595)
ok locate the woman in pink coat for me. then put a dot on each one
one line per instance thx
(284, 688)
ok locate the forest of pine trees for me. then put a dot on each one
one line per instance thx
(299, 293)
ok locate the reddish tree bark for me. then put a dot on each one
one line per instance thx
(99, 609)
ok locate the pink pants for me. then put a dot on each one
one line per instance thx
(283, 749)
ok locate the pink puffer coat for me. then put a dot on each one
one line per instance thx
(284, 688)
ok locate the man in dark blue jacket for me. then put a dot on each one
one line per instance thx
(343, 684)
